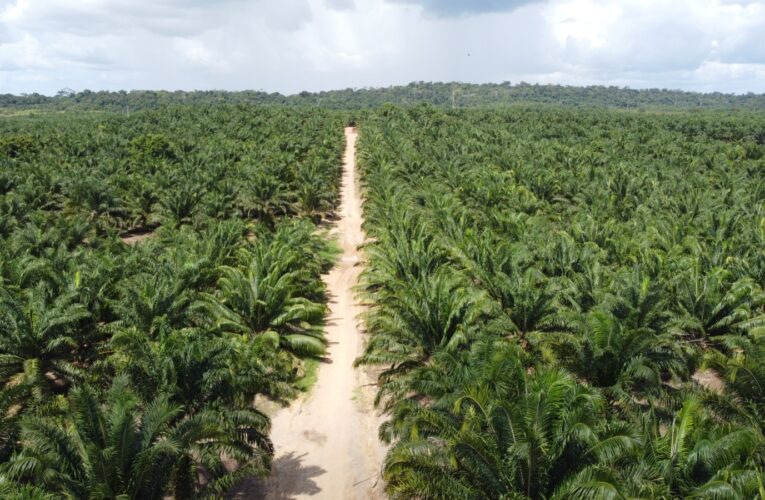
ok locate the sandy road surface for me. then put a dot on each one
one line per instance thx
(326, 442)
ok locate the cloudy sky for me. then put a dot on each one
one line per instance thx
(294, 45)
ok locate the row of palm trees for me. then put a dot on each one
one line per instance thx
(169, 167)
(131, 371)
(565, 303)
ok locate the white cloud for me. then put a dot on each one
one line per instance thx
(710, 73)
(449, 8)
(656, 43)
(292, 45)
(199, 54)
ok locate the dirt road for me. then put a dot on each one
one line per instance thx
(326, 442)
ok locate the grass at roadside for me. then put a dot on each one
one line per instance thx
(311, 367)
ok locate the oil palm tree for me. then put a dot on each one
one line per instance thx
(13, 491)
(116, 447)
(43, 340)
(200, 369)
(179, 204)
(740, 365)
(628, 363)
(266, 299)
(712, 305)
(156, 302)
(518, 444)
(266, 196)
(527, 299)
(315, 197)
(417, 319)
(697, 458)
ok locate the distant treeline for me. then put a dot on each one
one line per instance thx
(438, 94)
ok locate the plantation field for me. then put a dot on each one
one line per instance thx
(559, 303)
(567, 304)
(157, 272)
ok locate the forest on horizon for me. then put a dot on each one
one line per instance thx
(447, 95)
